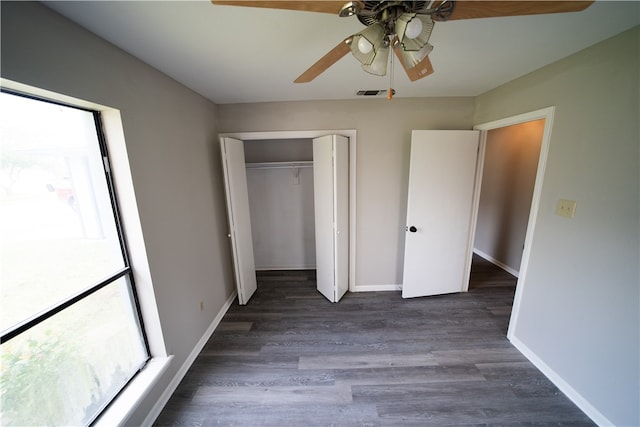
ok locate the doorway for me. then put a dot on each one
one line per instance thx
(544, 116)
(511, 156)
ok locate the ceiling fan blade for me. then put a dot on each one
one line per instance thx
(305, 6)
(469, 9)
(333, 56)
(422, 68)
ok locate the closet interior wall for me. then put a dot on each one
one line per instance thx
(280, 185)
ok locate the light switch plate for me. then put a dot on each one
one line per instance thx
(566, 208)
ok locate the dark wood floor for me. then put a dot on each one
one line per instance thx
(290, 358)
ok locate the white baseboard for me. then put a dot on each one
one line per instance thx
(582, 403)
(171, 388)
(376, 288)
(497, 263)
(296, 267)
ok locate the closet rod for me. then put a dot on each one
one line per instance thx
(280, 165)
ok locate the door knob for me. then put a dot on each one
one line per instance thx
(413, 229)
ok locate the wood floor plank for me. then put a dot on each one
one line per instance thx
(291, 358)
(365, 361)
(408, 375)
(298, 415)
(268, 378)
(234, 326)
(273, 395)
(478, 355)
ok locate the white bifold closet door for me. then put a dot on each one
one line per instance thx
(235, 181)
(331, 206)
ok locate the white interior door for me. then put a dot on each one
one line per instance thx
(331, 206)
(235, 180)
(439, 212)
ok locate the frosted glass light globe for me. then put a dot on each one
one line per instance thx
(364, 45)
(414, 28)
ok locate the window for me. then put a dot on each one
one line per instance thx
(72, 336)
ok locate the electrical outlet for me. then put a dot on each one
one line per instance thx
(201, 305)
(566, 208)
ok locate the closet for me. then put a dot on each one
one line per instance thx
(280, 186)
(288, 206)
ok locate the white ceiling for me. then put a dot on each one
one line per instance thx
(237, 54)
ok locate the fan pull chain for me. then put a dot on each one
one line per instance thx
(390, 92)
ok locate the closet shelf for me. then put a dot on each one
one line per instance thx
(280, 165)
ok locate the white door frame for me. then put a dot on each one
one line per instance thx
(547, 114)
(310, 134)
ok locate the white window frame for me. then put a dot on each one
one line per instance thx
(124, 405)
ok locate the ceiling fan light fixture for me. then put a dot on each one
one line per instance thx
(367, 43)
(378, 65)
(413, 31)
(411, 58)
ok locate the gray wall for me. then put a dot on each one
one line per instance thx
(580, 301)
(509, 174)
(171, 140)
(382, 161)
(282, 218)
(278, 150)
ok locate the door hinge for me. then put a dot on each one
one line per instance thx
(105, 160)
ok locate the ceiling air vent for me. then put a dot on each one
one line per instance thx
(375, 92)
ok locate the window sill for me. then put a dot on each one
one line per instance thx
(127, 402)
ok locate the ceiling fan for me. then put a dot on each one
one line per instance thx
(404, 26)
